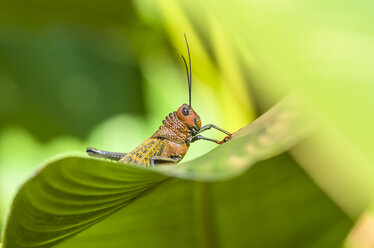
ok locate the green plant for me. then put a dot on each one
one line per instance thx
(213, 200)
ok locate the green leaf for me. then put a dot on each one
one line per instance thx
(71, 194)
(114, 205)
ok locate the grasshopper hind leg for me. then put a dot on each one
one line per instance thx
(93, 152)
(159, 159)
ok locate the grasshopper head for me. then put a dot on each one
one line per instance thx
(189, 117)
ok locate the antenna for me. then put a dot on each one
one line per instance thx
(189, 74)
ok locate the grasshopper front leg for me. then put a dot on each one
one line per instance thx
(199, 137)
(209, 126)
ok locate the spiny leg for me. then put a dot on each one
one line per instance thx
(163, 159)
(199, 137)
(209, 126)
(93, 152)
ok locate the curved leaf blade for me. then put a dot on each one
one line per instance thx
(275, 204)
(71, 194)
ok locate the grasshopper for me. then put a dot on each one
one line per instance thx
(171, 141)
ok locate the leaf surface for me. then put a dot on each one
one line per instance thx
(209, 201)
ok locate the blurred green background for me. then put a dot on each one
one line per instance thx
(105, 74)
(88, 73)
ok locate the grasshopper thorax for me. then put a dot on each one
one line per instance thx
(179, 125)
(190, 118)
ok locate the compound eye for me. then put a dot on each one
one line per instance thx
(185, 111)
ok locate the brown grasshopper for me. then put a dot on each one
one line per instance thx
(171, 141)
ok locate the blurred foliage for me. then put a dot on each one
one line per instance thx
(63, 81)
(361, 234)
(104, 74)
(76, 74)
